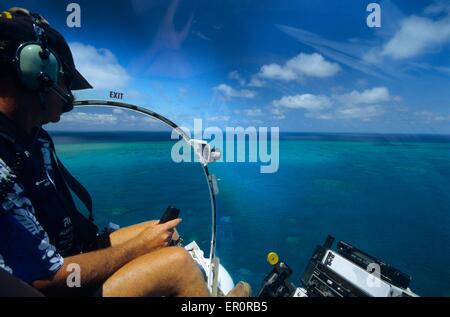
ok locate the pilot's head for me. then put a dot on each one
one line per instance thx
(37, 71)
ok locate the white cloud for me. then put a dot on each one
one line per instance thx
(126, 116)
(279, 113)
(313, 65)
(368, 96)
(349, 54)
(230, 92)
(84, 118)
(253, 112)
(320, 115)
(277, 72)
(302, 65)
(219, 118)
(118, 117)
(432, 117)
(234, 75)
(99, 66)
(306, 101)
(416, 36)
(365, 113)
(408, 37)
(356, 105)
(117, 111)
(256, 82)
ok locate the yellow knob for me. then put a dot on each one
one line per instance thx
(272, 258)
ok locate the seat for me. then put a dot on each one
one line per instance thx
(11, 286)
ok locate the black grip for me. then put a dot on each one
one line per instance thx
(171, 213)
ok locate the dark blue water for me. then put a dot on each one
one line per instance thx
(386, 194)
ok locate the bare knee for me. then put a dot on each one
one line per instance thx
(180, 257)
(168, 271)
(186, 274)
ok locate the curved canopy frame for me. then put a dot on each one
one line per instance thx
(210, 179)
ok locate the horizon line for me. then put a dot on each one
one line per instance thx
(281, 132)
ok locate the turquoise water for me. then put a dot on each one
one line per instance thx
(387, 195)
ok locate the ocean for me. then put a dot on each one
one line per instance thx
(385, 194)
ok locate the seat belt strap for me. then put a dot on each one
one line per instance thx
(78, 189)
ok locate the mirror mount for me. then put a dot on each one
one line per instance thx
(203, 151)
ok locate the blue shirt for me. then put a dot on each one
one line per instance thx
(35, 229)
(25, 248)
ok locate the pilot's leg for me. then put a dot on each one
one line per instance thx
(166, 272)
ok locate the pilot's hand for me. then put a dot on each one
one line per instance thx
(157, 236)
(175, 236)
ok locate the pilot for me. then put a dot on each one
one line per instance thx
(44, 240)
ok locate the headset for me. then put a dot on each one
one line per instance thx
(39, 68)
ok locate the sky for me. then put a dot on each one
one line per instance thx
(307, 66)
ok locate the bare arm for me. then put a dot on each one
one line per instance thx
(125, 234)
(128, 233)
(97, 266)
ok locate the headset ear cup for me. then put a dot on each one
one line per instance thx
(31, 63)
